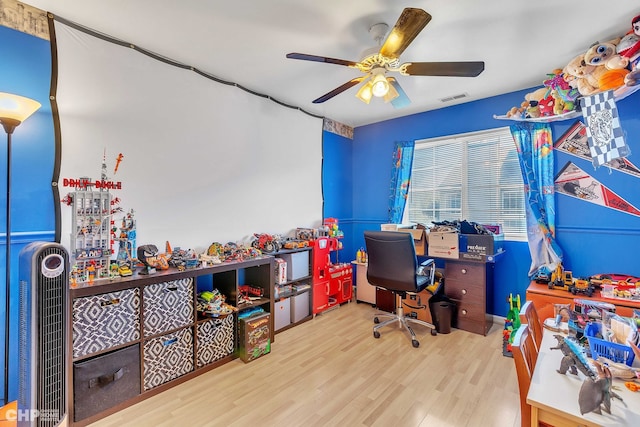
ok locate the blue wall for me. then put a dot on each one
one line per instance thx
(26, 71)
(595, 239)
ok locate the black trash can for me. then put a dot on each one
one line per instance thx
(442, 313)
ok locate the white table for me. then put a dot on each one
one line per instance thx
(554, 397)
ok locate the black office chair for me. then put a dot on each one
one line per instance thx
(393, 265)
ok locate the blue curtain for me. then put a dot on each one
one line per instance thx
(535, 152)
(400, 179)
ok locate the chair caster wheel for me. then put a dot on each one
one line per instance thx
(415, 343)
(376, 320)
(376, 334)
(434, 332)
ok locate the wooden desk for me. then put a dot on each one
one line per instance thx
(554, 397)
(544, 298)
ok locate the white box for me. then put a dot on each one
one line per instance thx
(282, 315)
(297, 264)
(299, 307)
(281, 271)
(444, 245)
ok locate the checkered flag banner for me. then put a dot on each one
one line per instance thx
(604, 133)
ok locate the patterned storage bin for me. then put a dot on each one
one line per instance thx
(167, 305)
(214, 339)
(167, 357)
(105, 320)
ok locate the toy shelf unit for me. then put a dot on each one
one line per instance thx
(332, 283)
(292, 288)
(137, 336)
(90, 238)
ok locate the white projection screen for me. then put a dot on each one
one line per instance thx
(202, 161)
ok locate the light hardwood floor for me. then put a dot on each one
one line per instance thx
(331, 371)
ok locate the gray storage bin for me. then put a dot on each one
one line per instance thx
(104, 321)
(167, 306)
(214, 339)
(167, 357)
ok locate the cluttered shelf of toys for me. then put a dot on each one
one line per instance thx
(605, 66)
(621, 290)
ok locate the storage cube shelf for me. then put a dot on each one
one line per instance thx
(292, 304)
(154, 317)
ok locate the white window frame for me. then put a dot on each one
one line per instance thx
(504, 184)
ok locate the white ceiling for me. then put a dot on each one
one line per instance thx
(246, 41)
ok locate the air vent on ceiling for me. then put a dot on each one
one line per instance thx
(454, 97)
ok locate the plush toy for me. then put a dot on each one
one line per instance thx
(546, 105)
(582, 73)
(612, 79)
(628, 50)
(578, 74)
(599, 53)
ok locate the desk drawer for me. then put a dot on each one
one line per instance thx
(465, 272)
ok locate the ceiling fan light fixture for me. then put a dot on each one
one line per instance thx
(392, 94)
(365, 93)
(379, 83)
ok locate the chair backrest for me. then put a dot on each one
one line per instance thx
(525, 355)
(529, 315)
(392, 261)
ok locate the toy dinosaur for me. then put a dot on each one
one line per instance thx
(595, 394)
(574, 358)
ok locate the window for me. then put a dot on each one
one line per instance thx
(472, 176)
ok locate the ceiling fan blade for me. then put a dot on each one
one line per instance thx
(339, 90)
(409, 25)
(402, 100)
(316, 58)
(450, 69)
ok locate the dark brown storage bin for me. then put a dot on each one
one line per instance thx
(104, 381)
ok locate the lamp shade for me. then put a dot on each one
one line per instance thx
(16, 107)
(380, 86)
(365, 94)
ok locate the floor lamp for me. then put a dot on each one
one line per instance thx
(14, 109)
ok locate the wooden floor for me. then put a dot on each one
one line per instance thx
(330, 371)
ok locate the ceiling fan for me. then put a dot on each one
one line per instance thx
(379, 61)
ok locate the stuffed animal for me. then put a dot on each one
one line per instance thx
(628, 50)
(599, 53)
(579, 75)
(612, 79)
(546, 105)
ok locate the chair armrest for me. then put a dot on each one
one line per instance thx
(428, 264)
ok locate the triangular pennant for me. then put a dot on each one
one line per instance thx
(574, 182)
(574, 142)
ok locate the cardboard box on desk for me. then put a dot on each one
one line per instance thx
(419, 239)
(482, 244)
(444, 244)
(419, 235)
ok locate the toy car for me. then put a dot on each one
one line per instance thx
(124, 270)
(621, 280)
(581, 286)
